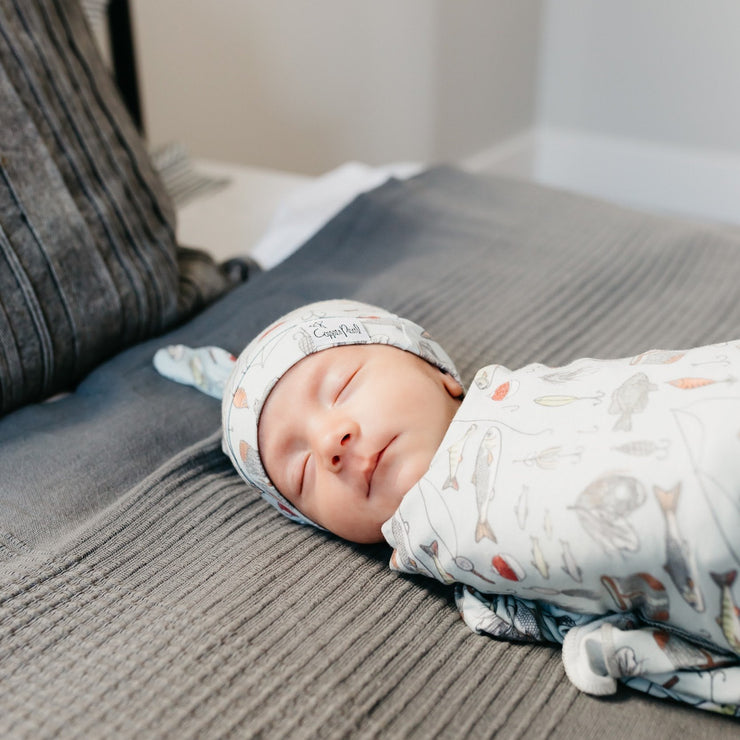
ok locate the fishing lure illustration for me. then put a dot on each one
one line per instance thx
(690, 384)
(658, 357)
(484, 377)
(564, 400)
(508, 567)
(645, 448)
(549, 458)
(505, 390)
(569, 375)
(467, 565)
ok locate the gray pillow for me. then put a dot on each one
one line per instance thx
(88, 259)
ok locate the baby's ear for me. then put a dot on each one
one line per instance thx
(452, 385)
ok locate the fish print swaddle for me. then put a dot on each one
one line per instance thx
(595, 505)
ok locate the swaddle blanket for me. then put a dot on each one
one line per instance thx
(595, 505)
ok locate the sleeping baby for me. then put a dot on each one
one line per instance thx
(595, 505)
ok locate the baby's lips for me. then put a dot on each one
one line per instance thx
(376, 462)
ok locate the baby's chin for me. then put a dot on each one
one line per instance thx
(367, 528)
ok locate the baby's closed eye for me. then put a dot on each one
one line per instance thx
(301, 477)
(344, 384)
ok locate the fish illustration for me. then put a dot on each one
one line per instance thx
(603, 507)
(509, 618)
(680, 564)
(508, 567)
(630, 398)
(562, 400)
(538, 559)
(432, 551)
(455, 453)
(641, 592)
(729, 614)
(645, 448)
(570, 566)
(484, 479)
(521, 509)
(657, 357)
(684, 654)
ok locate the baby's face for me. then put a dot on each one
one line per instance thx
(346, 432)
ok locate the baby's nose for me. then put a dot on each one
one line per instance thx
(336, 458)
(337, 443)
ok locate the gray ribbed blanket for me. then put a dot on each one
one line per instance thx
(145, 591)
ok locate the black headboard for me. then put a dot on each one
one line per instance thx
(123, 55)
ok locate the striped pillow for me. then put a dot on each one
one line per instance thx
(88, 260)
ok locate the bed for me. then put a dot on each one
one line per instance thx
(145, 591)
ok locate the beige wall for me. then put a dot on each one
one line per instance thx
(304, 86)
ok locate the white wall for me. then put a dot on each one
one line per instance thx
(304, 86)
(657, 70)
(639, 102)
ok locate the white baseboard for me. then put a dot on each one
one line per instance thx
(699, 183)
(513, 156)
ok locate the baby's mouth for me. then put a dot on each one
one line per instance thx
(374, 466)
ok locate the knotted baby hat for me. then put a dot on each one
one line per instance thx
(302, 332)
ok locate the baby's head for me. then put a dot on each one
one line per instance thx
(335, 411)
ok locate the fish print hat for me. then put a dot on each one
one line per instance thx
(302, 332)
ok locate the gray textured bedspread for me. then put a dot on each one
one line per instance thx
(145, 591)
